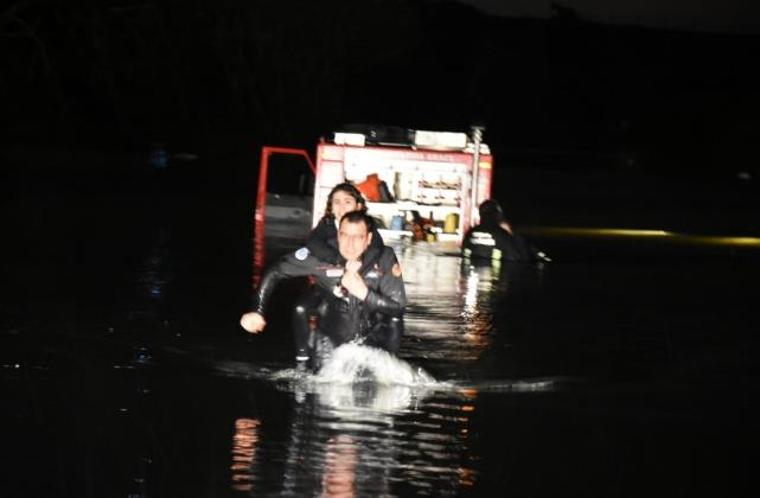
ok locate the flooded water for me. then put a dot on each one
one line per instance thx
(623, 368)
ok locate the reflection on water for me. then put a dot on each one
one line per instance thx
(452, 301)
(367, 424)
(153, 274)
(603, 374)
(244, 444)
(353, 448)
(372, 424)
(339, 479)
(478, 283)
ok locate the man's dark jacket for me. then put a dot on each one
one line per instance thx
(346, 317)
(491, 241)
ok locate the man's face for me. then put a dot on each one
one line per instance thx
(353, 240)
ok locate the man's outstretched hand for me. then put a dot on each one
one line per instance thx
(253, 322)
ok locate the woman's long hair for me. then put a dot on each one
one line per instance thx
(350, 190)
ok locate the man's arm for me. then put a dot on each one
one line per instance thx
(389, 297)
(292, 265)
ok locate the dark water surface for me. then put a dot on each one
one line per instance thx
(623, 368)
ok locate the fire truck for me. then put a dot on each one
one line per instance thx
(406, 175)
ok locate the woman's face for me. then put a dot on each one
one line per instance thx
(342, 203)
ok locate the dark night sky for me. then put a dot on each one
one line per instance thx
(728, 16)
(594, 85)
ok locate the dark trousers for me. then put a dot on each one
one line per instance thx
(307, 306)
(385, 335)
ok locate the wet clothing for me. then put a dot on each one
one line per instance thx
(345, 317)
(323, 244)
(323, 240)
(309, 304)
(491, 241)
(313, 304)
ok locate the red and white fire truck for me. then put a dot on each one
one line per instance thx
(438, 176)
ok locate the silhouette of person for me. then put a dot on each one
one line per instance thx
(494, 239)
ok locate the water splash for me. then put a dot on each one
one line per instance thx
(363, 378)
(353, 364)
(356, 363)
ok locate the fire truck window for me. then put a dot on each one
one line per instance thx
(290, 175)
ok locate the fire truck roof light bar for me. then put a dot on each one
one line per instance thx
(440, 139)
(423, 139)
(356, 139)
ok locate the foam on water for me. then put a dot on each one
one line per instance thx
(362, 378)
(353, 362)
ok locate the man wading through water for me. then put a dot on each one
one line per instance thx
(365, 291)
